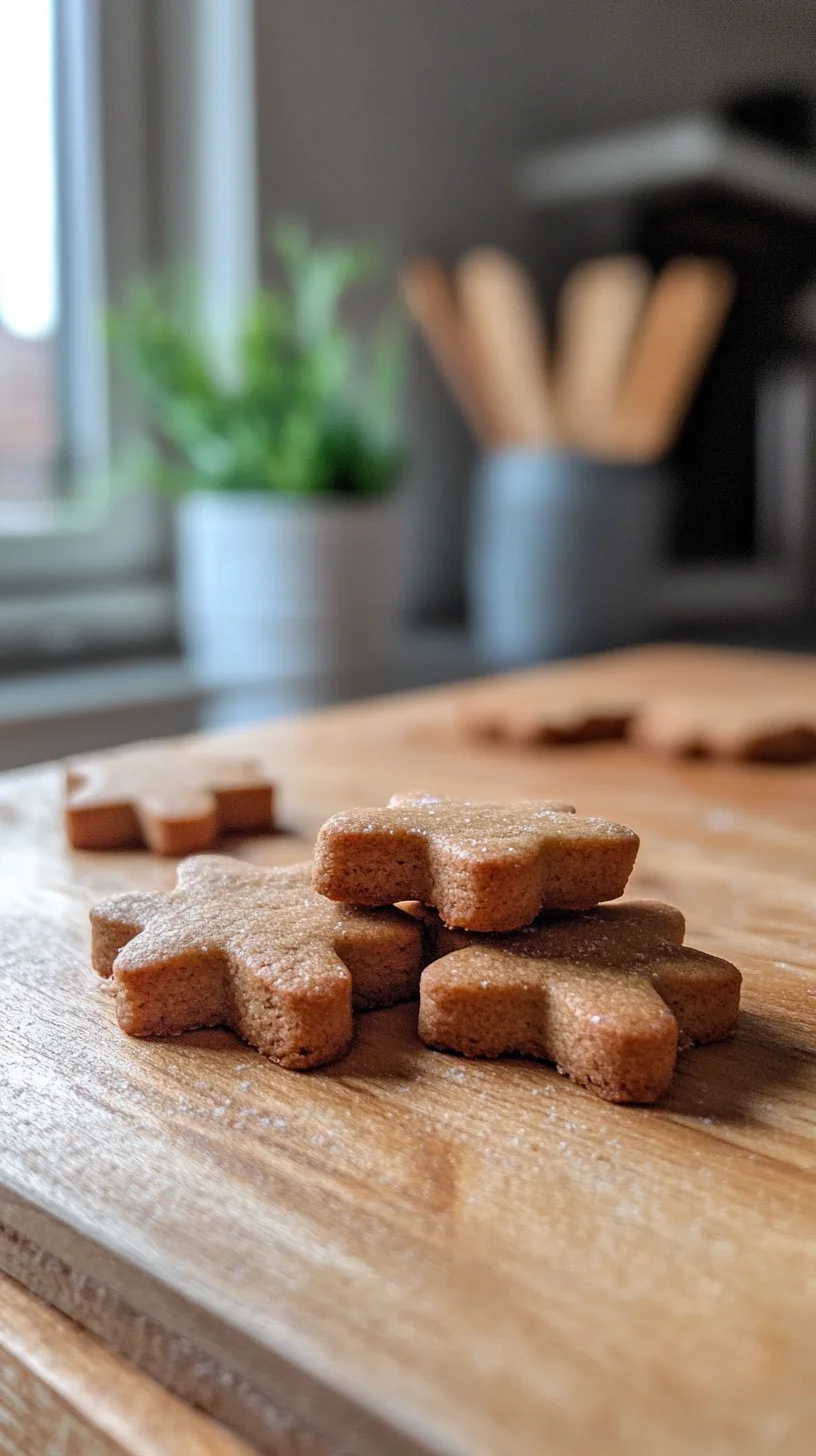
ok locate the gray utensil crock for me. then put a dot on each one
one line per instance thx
(564, 554)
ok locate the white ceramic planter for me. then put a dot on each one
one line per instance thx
(278, 588)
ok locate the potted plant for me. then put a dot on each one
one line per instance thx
(287, 539)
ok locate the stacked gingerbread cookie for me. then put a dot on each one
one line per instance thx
(521, 956)
(504, 911)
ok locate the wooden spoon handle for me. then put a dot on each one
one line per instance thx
(509, 343)
(429, 295)
(682, 322)
(600, 305)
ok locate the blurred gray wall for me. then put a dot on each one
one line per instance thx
(404, 120)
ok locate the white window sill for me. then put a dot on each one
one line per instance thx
(48, 715)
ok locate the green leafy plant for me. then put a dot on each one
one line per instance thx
(311, 406)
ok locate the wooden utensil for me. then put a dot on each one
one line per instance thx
(600, 305)
(431, 300)
(509, 343)
(677, 333)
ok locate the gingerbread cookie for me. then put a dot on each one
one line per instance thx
(778, 731)
(543, 718)
(483, 866)
(608, 996)
(252, 948)
(173, 800)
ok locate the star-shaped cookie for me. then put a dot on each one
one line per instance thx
(483, 866)
(608, 995)
(174, 800)
(255, 949)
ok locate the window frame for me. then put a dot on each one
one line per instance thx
(139, 149)
(129, 536)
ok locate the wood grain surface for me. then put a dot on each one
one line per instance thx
(62, 1392)
(407, 1252)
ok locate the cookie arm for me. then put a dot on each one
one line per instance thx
(702, 991)
(297, 1010)
(116, 921)
(384, 953)
(362, 861)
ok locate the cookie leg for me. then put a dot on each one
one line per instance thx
(167, 996)
(385, 968)
(102, 826)
(613, 1033)
(702, 992)
(246, 810)
(465, 1008)
(298, 1014)
(186, 824)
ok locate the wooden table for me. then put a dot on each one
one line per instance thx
(408, 1252)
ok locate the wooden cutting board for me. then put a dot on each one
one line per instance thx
(408, 1252)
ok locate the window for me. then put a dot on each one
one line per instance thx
(126, 141)
(79, 571)
(53, 358)
(30, 430)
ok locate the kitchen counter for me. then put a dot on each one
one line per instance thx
(407, 1252)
